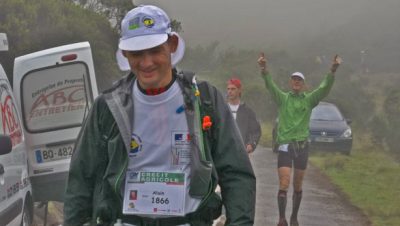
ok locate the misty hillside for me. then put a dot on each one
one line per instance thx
(375, 31)
(303, 28)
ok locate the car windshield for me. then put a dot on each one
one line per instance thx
(326, 113)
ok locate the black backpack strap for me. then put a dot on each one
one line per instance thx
(207, 105)
(204, 88)
(205, 93)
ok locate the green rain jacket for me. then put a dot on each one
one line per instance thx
(294, 110)
(98, 165)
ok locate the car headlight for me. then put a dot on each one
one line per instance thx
(347, 133)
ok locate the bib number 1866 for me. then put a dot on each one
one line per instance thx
(158, 200)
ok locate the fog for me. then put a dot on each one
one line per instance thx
(302, 26)
(264, 22)
(365, 33)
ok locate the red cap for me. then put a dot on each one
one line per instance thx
(236, 82)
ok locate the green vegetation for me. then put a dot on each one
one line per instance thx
(369, 178)
(36, 25)
(266, 138)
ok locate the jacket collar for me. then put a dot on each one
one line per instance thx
(302, 94)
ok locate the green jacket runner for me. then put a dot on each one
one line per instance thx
(99, 162)
(294, 110)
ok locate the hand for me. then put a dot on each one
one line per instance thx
(262, 62)
(249, 148)
(335, 64)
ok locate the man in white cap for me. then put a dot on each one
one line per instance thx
(294, 109)
(155, 146)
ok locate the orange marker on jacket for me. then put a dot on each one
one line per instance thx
(207, 122)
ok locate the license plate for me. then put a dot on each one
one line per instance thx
(324, 139)
(54, 153)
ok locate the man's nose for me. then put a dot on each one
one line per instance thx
(146, 60)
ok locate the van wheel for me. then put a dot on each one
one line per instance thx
(27, 214)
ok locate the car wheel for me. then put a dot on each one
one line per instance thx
(27, 214)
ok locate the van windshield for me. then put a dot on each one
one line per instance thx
(56, 97)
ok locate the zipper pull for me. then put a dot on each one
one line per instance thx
(197, 91)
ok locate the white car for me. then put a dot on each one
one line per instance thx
(16, 203)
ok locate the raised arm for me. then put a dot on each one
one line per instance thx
(277, 94)
(326, 85)
(262, 63)
(335, 64)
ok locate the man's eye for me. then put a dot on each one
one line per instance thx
(135, 53)
(155, 50)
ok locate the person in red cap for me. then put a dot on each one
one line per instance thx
(245, 117)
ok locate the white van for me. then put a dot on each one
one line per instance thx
(54, 89)
(16, 204)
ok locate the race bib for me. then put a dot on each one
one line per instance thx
(284, 147)
(154, 193)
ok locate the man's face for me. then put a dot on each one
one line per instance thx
(233, 92)
(297, 84)
(153, 66)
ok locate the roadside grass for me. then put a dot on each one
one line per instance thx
(266, 135)
(369, 177)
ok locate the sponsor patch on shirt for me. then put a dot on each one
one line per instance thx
(181, 156)
(181, 148)
(181, 138)
(136, 145)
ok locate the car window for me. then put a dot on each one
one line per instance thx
(326, 113)
(51, 102)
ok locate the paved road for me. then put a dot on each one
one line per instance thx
(322, 205)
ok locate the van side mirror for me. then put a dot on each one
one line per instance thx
(5, 144)
(349, 121)
(3, 42)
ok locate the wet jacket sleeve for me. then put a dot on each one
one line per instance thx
(277, 94)
(322, 91)
(85, 163)
(249, 125)
(254, 133)
(235, 173)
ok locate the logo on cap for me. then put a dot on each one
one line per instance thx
(134, 23)
(148, 22)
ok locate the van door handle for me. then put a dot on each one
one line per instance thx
(1, 169)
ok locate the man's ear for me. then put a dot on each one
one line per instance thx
(173, 41)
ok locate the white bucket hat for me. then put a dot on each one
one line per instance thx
(145, 27)
(298, 74)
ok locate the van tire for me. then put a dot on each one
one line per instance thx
(27, 214)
